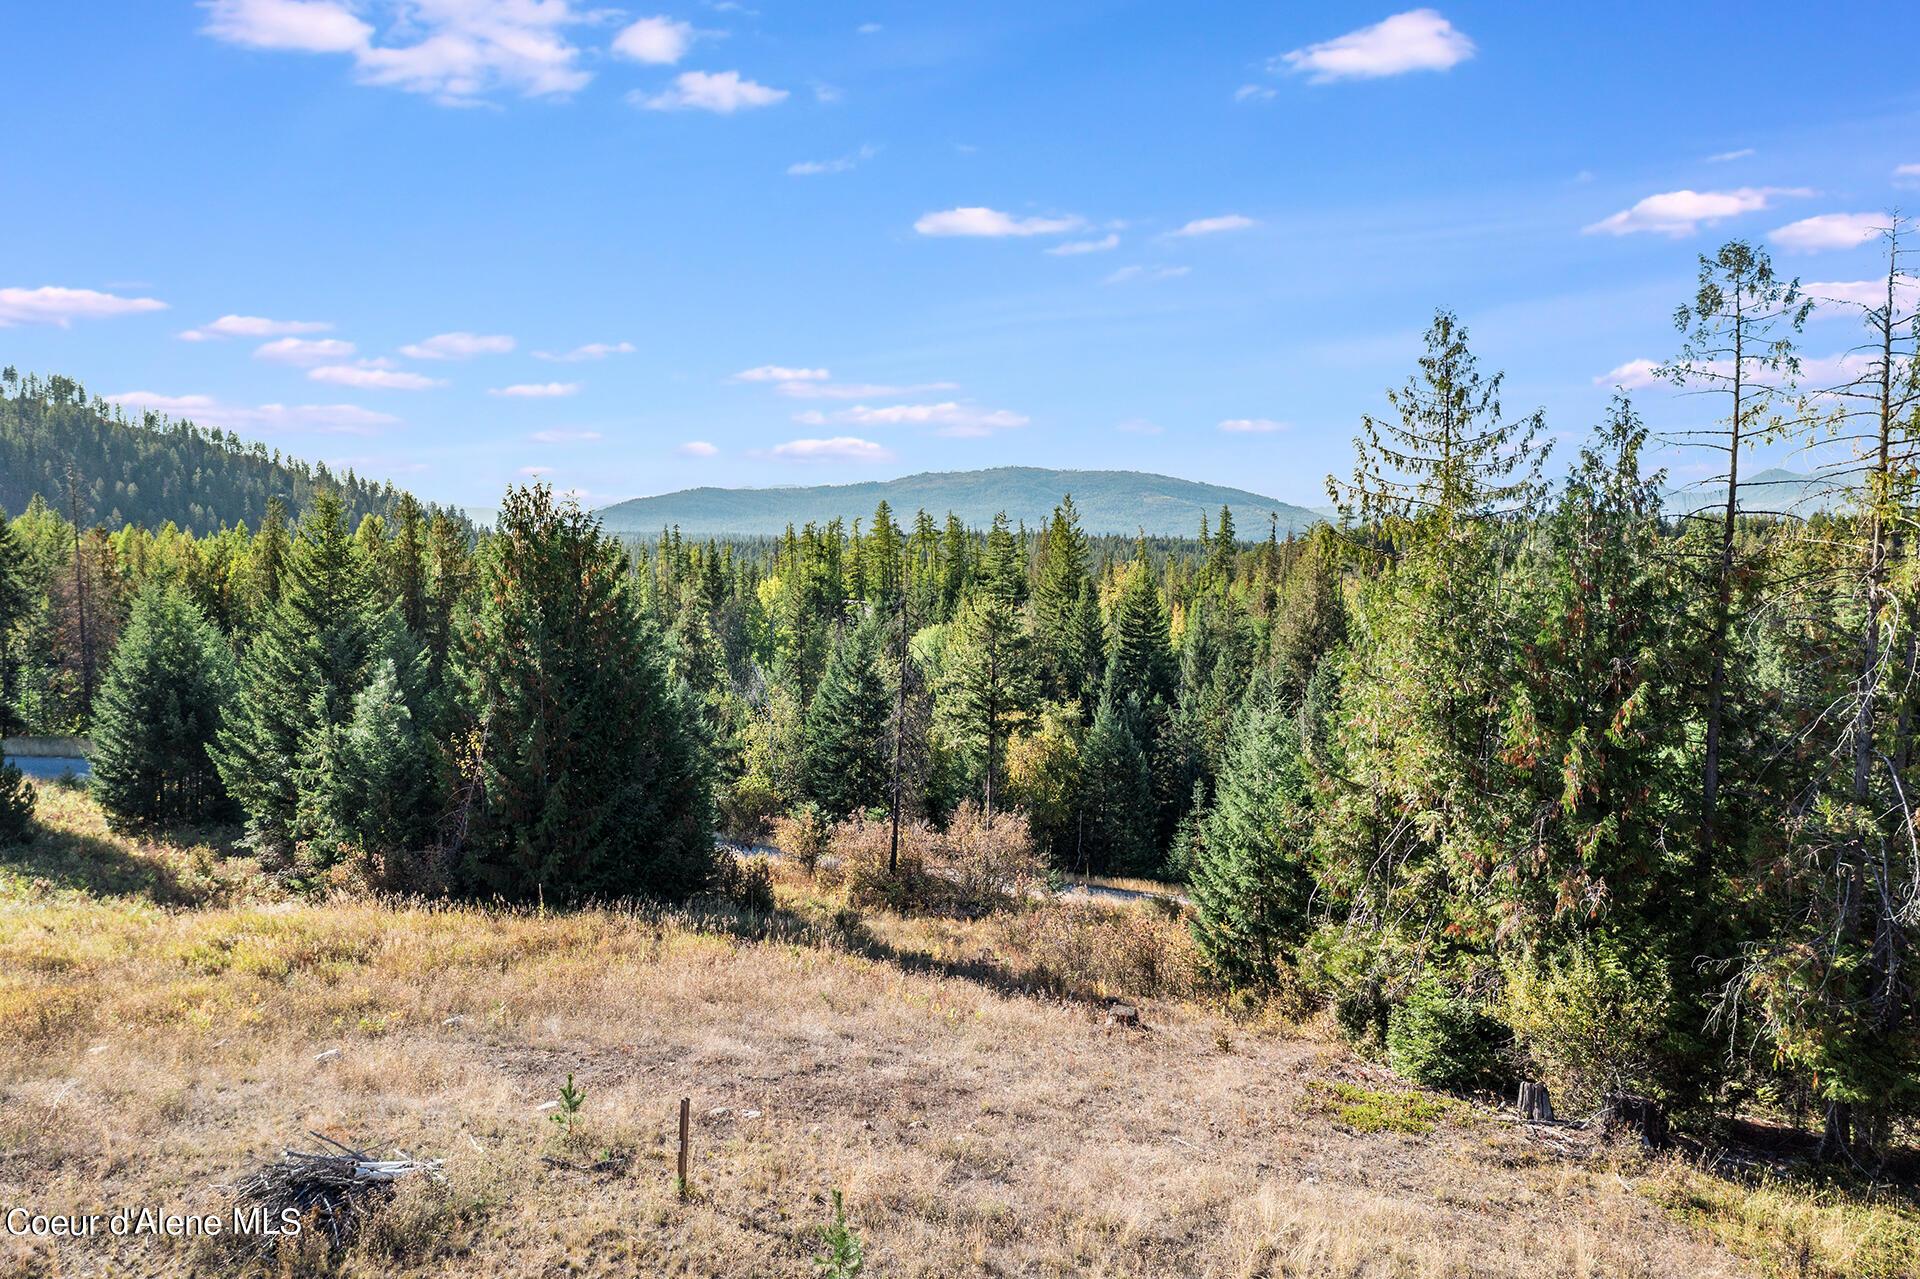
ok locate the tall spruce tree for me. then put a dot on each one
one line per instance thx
(592, 782)
(159, 713)
(988, 685)
(1117, 805)
(369, 787)
(847, 766)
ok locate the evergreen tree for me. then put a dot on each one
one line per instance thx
(988, 684)
(298, 676)
(847, 765)
(16, 604)
(1068, 656)
(370, 788)
(159, 715)
(1140, 663)
(594, 780)
(17, 798)
(1252, 879)
(1117, 804)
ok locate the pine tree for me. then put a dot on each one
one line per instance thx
(159, 715)
(1140, 664)
(299, 675)
(847, 764)
(16, 603)
(370, 788)
(1117, 804)
(988, 685)
(1068, 664)
(17, 796)
(594, 780)
(1251, 878)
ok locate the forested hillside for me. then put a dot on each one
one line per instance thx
(1109, 502)
(1525, 777)
(154, 470)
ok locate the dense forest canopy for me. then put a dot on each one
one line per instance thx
(1524, 773)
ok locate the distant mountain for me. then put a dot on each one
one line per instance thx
(1108, 501)
(1773, 491)
(151, 469)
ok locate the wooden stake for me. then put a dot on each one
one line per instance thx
(686, 1112)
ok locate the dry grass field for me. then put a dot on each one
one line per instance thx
(167, 1024)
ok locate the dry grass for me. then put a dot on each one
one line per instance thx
(154, 1051)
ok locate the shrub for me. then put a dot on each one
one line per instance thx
(805, 836)
(1361, 1014)
(16, 805)
(1589, 1022)
(1440, 1039)
(863, 849)
(744, 882)
(1127, 950)
(988, 865)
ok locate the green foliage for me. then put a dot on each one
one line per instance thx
(988, 684)
(159, 713)
(370, 790)
(1251, 878)
(16, 805)
(1116, 798)
(744, 882)
(1363, 1110)
(594, 780)
(1438, 1038)
(845, 1255)
(848, 753)
(1589, 1020)
(567, 1117)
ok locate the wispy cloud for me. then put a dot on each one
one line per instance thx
(723, 92)
(815, 168)
(780, 373)
(591, 351)
(1869, 293)
(458, 346)
(1254, 426)
(1907, 175)
(1726, 156)
(841, 448)
(266, 418)
(459, 51)
(1633, 375)
(1072, 247)
(696, 448)
(251, 326)
(1213, 226)
(1681, 213)
(1126, 273)
(52, 305)
(536, 390)
(990, 223)
(371, 376)
(1252, 93)
(1418, 40)
(660, 41)
(950, 418)
(855, 390)
(303, 350)
(565, 437)
(1829, 231)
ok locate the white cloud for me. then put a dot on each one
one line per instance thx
(1829, 231)
(990, 222)
(51, 305)
(1907, 175)
(1869, 293)
(779, 373)
(456, 50)
(591, 351)
(1252, 93)
(459, 346)
(855, 390)
(372, 377)
(867, 28)
(1254, 425)
(564, 437)
(303, 350)
(814, 168)
(1418, 40)
(1071, 247)
(1126, 273)
(1633, 375)
(723, 91)
(251, 326)
(347, 419)
(1725, 156)
(841, 448)
(1681, 213)
(661, 41)
(950, 418)
(696, 448)
(1212, 226)
(537, 390)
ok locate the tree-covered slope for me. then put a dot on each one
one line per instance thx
(1109, 502)
(151, 470)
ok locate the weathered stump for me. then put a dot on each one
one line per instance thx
(1535, 1102)
(1641, 1115)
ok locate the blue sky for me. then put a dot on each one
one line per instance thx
(807, 243)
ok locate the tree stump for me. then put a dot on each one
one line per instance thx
(1641, 1115)
(1535, 1102)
